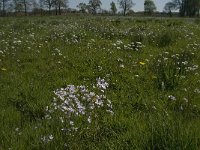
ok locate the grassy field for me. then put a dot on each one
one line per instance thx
(99, 83)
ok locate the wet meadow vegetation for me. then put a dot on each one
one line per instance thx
(99, 83)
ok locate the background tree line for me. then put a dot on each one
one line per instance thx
(185, 7)
(25, 6)
(57, 7)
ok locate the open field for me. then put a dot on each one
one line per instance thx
(99, 83)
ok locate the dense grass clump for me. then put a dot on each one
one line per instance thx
(171, 68)
(99, 83)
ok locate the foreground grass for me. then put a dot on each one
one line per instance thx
(149, 68)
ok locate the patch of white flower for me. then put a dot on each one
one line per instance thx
(74, 103)
(171, 97)
(136, 46)
(102, 84)
(47, 139)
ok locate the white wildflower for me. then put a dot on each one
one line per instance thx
(171, 97)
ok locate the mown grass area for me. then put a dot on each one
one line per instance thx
(99, 83)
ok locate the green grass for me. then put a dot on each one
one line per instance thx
(154, 87)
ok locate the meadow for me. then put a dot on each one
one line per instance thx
(99, 83)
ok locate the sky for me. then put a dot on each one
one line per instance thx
(139, 4)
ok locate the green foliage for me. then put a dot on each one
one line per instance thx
(149, 6)
(94, 5)
(167, 38)
(197, 21)
(170, 134)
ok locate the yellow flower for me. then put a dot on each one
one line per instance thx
(142, 63)
(3, 69)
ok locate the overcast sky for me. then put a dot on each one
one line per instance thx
(139, 4)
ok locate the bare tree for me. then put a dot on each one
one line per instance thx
(41, 6)
(3, 4)
(60, 4)
(17, 6)
(0, 6)
(35, 7)
(49, 4)
(22, 5)
(25, 4)
(125, 5)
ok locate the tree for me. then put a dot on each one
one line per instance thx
(25, 4)
(113, 7)
(181, 5)
(49, 4)
(149, 6)
(94, 5)
(187, 7)
(17, 5)
(60, 4)
(191, 7)
(0, 6)
(41, 6)
(3, 4)
(125, 5)
(169, 7)
(22, 5)
(34, 4)
(82, 7)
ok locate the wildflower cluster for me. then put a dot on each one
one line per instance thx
(47, 139)
(75, 104)
(136, 46)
